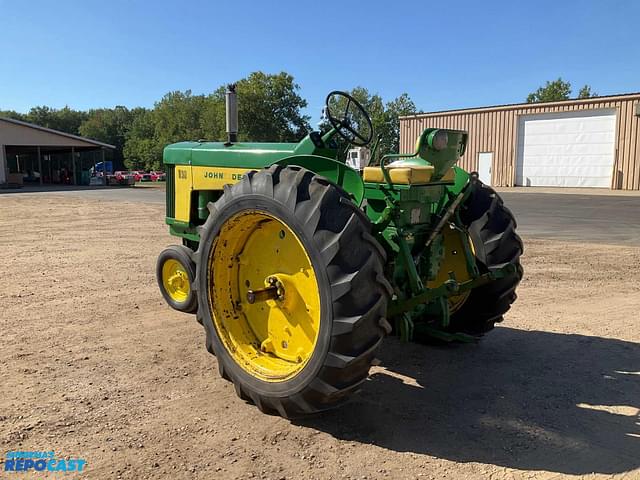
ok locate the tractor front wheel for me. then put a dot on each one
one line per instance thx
(176, 273)
(291, 291)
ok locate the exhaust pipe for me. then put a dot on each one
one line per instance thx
(232, 114)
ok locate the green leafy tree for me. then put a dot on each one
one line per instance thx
(64, 119)
(551, 92)
(177, 117)
(585, 92)
(212, 119)
(12, 114)
(400, 106)
(110, 125)
(141, 151)
(269, 108)
(557, 90)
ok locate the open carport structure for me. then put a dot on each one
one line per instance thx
(31, 153)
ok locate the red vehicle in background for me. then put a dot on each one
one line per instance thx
(121, 178)
(158, 176)
(121, 175)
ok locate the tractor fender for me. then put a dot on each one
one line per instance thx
(333, 170)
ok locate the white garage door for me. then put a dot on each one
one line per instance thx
(568, 149)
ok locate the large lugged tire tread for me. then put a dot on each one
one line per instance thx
(492, 228)
(359, 291)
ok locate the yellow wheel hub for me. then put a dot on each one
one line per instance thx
(175, 280)
(264, 296)
(454, 261)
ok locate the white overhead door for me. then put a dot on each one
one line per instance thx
(567, 149)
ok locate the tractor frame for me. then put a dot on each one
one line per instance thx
(408, 219)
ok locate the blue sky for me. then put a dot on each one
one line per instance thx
(443, 54)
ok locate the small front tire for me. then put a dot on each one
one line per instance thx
(176, 273)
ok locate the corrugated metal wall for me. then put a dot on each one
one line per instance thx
(494, 129)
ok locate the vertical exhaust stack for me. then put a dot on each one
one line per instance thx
(232, 114)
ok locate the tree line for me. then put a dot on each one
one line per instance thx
(556, 90)
(270, 109)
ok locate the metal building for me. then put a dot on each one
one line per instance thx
(592, 142)
(31, 153)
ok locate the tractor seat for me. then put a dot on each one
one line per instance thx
(405, 174)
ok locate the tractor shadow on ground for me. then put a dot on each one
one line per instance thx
(521, 399)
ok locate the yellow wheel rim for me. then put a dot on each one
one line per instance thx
(454, 261)
(175, 280)
(255, 256)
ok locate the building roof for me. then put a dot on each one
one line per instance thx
(512, 106)
(57, 132)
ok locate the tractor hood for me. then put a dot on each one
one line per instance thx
(239, 155)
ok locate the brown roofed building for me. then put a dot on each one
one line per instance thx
(593, 142)
(30, 153)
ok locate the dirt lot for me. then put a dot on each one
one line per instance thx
(93, 364)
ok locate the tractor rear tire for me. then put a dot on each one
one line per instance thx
(352, 292)
(492, 228)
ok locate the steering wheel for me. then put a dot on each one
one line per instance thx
(349, 118)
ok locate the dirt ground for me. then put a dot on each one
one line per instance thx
(93, 364)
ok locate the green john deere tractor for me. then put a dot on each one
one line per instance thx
(298, 266)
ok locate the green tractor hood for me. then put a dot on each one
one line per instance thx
(238, 155)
